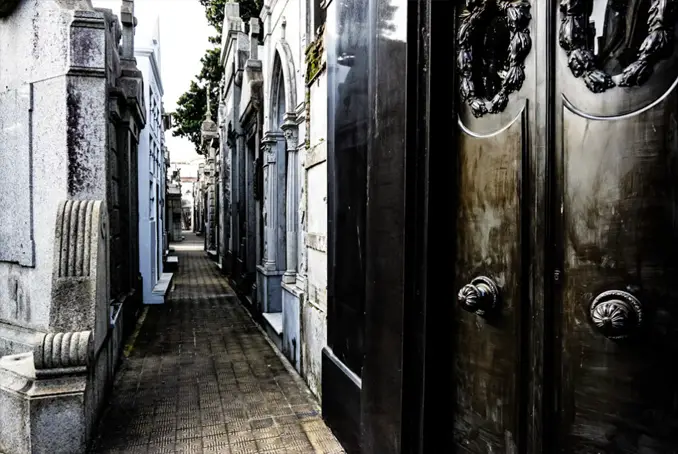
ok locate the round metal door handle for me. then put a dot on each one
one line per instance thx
(616, 314)
(480, 296)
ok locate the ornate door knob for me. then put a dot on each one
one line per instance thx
(479, 296)
(616, 314)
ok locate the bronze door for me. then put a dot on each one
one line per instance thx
(566, 260)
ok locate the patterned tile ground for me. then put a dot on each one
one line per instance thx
(201, 378)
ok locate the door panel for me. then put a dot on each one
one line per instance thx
(487, 350)
(497, 82)
(620, 233)
(616, 186)
(608, 143)
(619, 393)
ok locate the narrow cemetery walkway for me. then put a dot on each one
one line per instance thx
(201, 377)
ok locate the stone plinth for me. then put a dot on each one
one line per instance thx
(43, 397)
(50, 398)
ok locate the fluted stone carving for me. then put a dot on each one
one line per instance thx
(80, 293)
(74, 232)
(57, 353)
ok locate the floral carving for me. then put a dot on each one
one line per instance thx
(657, 45)
(616, 314)
(489, 71)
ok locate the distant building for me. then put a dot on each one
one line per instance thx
(174, 208)
(188, 177)
(152, 173)
(187, 202)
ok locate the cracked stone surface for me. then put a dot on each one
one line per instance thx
(202, 378)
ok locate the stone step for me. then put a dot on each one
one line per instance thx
(172, 263)
(273, 324)
(161, 290)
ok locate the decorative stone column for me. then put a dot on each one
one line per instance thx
(270, 273)
(291, 132)
(209, 133)
(224, 178)
(270, 149)
(232, 196)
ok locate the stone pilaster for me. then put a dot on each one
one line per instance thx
(274, 201)
(292, 198)
(209, 132)
(211, 213)
(269, 146)
(211, 201)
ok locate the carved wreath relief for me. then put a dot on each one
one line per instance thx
(628, 38)
(494, 40)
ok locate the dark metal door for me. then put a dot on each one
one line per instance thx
(566, 260)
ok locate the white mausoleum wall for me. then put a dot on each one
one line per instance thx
(304, 301)
(151, 161)
(285, 37)
(315, 308)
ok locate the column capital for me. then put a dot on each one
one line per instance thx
(272, 137)
(291, 131)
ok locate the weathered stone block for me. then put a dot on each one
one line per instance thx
(88, 44)
(268, 286)
(16, 203)
(314, 322)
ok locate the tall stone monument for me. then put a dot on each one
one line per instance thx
(209, 138)
(69, 110)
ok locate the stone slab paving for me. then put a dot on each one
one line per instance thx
(201, 378)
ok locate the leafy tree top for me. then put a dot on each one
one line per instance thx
(192, 105)
(214, 11)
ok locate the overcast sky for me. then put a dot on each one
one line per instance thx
(184, 34)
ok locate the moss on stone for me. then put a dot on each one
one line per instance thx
(314, 56)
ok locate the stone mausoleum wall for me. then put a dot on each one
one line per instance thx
(69, 121)
(273, 134)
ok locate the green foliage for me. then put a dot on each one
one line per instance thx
(214, 10)
(192, 105)
(189, 114)
(314, 53)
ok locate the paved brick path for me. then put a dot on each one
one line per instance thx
(202, 378)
